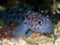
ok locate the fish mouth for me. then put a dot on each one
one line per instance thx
(46, 30)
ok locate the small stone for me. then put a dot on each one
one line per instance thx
(57, 42)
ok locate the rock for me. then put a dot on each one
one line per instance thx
(0, 42)
(57, 42)
(5, 33)
(39, 39)
(57, 30)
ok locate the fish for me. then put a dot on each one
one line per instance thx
(34, 22)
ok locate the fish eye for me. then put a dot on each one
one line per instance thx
(39, 22)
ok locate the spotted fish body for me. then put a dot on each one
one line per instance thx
(36, 23)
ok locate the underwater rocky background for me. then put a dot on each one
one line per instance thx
(36, 39)
(31, 24)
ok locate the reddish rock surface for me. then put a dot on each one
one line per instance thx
(5, 33)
